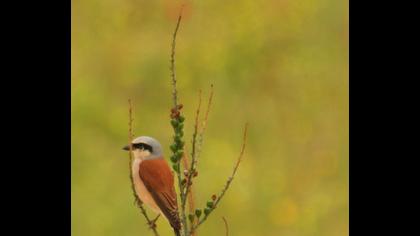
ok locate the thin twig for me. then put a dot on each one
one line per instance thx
(228, 182)
(197, 144)
(190, 195)
(137, 200)
(204, 124)
(176, 110)
(173, 72)
(184, 190)
(198, 139)
(226, 226)
(191, 203)
(193, 152)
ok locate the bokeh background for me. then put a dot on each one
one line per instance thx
(281, 65)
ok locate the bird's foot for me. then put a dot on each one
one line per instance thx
(152, 223)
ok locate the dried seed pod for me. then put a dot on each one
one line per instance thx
(173, 115)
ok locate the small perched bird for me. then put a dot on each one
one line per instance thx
(154, 180)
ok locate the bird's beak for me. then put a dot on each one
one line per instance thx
(127, 148)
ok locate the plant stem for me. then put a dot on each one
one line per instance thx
(137, 200)
(176, 110)
(228, 182)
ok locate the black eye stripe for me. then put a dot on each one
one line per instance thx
(143, 146)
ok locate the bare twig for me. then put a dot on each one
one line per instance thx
(173, 72)
(186, 165)
(226, 226)
(228, 182)
(204, 124)
(190, 195)
(137, 200)
(196, 144)
(191, 170)
(176, 116)
(197, 140)
(193, 152)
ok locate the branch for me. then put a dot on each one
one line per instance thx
(177, 123)
(204, 123)
(226, 226)
(214, 204)
(190, 195)
(173, 72)
(197, 141)
(137, 200)
(191, 171)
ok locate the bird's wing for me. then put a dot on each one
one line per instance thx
(159, 181)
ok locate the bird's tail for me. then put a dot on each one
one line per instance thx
(177, 233)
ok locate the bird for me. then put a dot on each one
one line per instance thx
(154, 180)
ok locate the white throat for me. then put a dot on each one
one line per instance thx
(141, 154)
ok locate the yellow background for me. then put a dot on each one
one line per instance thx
(281, 65)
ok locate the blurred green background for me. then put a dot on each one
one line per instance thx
(281, 65)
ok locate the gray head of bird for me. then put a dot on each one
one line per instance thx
(145, 147)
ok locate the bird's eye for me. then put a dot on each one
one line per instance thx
(143, 146)
(138, 146)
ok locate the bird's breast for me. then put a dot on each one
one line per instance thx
(141, 189)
